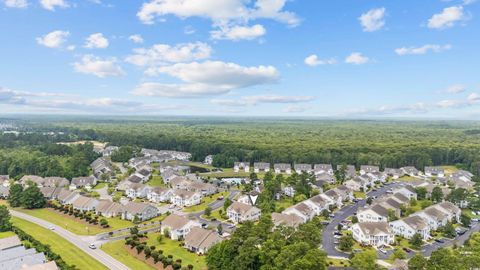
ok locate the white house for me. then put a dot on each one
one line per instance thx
(375, 213)
(137, 190)
(239, 212)
(282, 168)
(185, 198)
(410, 170)
(303, 210)
(237, 166)
(178, 226)
(301, 168)
(409, 226)
(142, 211)
(434, 171)
(364, 169)
(160, 194)
(394, 173)
(434, 217)
(450, 209)
(289, 191)
(208, 160)
(408, 191)
(261, 167)
(199, 240)
(373, 233)
(323, 168)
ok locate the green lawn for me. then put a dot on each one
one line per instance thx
(215, 214)
(6, 234)
(69, 253)
(156, 181)
(75, 225)
(359, 194)
(450, 169)
(171, 247)
(283, 204)
(337, 262)
(100, 185)
(205, 201)
(118, 251)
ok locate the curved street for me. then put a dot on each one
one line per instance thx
(78, 241)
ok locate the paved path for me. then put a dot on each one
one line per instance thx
(76, 240)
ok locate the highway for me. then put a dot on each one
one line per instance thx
(76, 240)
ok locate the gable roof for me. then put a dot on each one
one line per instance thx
(374, 228)
(175, 221)
(415, 222)
(201, 238)
(240, 208)
(135, 208)
(289, 220)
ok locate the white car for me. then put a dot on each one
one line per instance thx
(52, 228)
(92, 246)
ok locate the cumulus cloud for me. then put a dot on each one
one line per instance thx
(255, 100)
(357, 58)
(423, 49)
(474, 97)
(218, 11)
(96, 41)
(160, 54)
(456, 89)
(373, 20)
(312, 60)
(53, 4)
(206, 78)
(16, 3)
(99, 67)
(447, 18)
(136, 38)
(55, 39)
(239, 32)
(418, 107)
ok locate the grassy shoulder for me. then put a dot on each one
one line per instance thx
(118, 251)
(69, 253)
(205, 202)
(6, 234)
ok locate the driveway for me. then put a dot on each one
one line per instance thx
(76, 240)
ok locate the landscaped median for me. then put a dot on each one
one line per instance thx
(69, 253)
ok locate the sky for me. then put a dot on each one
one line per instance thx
(342, 59)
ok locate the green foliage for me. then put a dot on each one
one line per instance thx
(346, 243)
(208, 211)
(32, 198)
(437, 194)
(421, 193)
(449, 230)
(365, 260)
(5, 224)
(465, 220)
(417, 262)
(398, 254)
(124, 153)
(457, 196)
(416, 241)
(15, 195)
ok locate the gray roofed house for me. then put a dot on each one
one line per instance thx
(199, 240)
(86, 181)
(178, 226)
(38, 180)
(83, 203)
(9, 242)
(55, 182)
(109, 209)
(205, 189)
(399, 197)
(101, 166)
(237, 166)
(142, 210)
(410, 170)
(282, 168)
(373, 233)
(67, 196)
(351, 171)
(323, 168)
(17, 258)
(300, 168)
(261, 167)
(4, 192)
(325, 177)
(51, 193)
(364, 169)
(241, 212)
(288, 220)
(135, 178)
(4, 180)
(434, 171)
(394, 173)
(43, 266)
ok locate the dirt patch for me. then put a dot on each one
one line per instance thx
(148, 261)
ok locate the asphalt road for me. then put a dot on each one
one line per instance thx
(76, 240)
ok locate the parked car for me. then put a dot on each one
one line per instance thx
(92, 246)
(204, 225)
(220, 198)
(52, 228)
(382, 250)
(439, 241)
(407, 250)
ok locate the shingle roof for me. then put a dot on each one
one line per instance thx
(374, 228)
(201, 238)
(175, 221)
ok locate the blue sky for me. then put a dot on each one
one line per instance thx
(360, 59)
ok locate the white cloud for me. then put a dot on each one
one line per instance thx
(312, 60)
(455, 89)
(295, 109)
(96, 41)
(16, 3)
(416, 108)
(448, 18)
(255, 100)
(356, 58)
(474, 97)
(136, 38)
(99, 67)
(373, 20)
(423, 49)
(160, 54)
(188, 30)
(218, 11)
(239, 32)
(52, 4)
(449, 103)
(207, 78)
(54, 39)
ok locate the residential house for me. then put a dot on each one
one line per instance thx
(51, 193)
(351, 172)
(237, 166)
(318, 203)
(178, 226)
(205, 189)
(67, 197)
(137, 190)
(377, 177)
(168, 174)
(453, 211)
(374, 213)
(124, 185)
(325, 177)
(323, 168)
(109, 209)
(409, 226)
(302, 210)
(9, 242)
(160, 194)
(199, 240)
(38, 180)
(282, 168)
(400, 198)
(408, 191)
(364, 169)
(410, 171)
(390, 204)
(143, 211)
(434, 171)
(301, 168)
(83, 182)
(4, 192)
(208, 160)
(135, 178)
(466, 176)
(108, 151)
(435, 218)
(55, 182)
(357, 184)
(180, 182)
(249, 198)
(185, 198)
(288, 220)
(239, 212)
(101, 166)
(261, 167)
(83, 203)
(394, 173)
(5, 180)
(373, 233)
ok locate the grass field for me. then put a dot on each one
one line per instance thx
(156, 181)
(75, 225)
(69, 253)
(283, 204)
(118, 251)
(359, 195)
(215, 214)
(171, 247)
(450, 169)
(205, 201)
(6, 234)
(100, 185)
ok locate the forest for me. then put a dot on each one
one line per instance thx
(357, 142)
